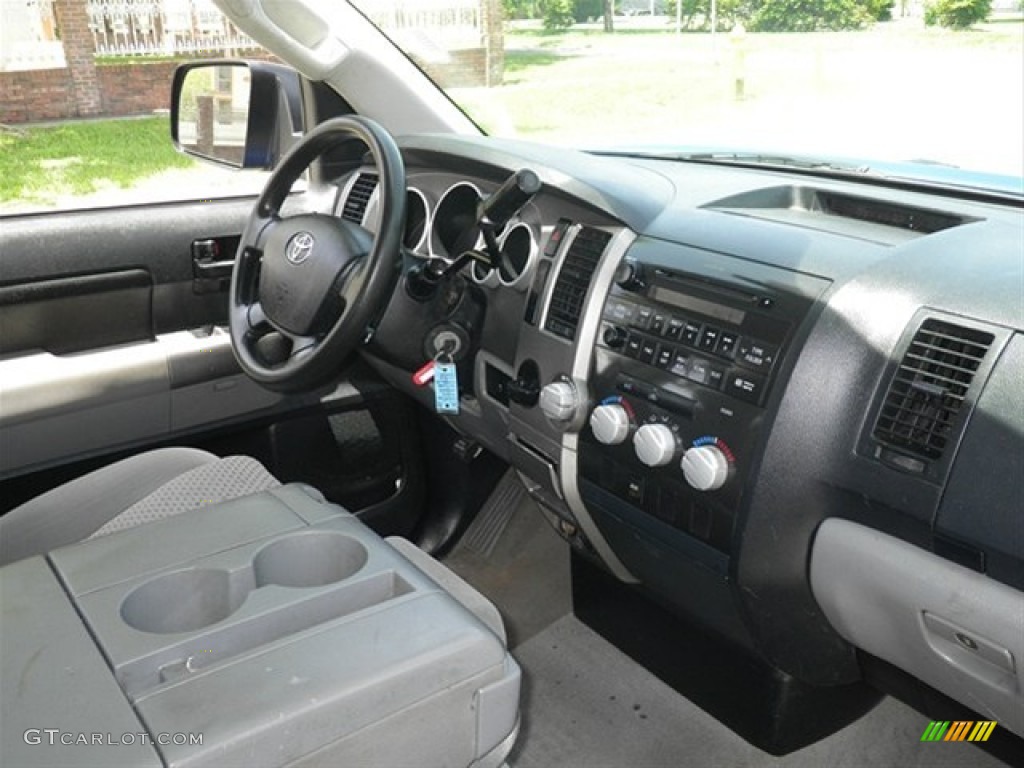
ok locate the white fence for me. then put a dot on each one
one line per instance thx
(162, 27)
(30, 38)
(448, 24)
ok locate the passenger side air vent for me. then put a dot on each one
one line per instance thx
(359, 197)
(573, 281)
(929, 389)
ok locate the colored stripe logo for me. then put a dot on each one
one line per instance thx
(959, 730)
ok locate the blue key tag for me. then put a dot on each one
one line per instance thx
(446, 388)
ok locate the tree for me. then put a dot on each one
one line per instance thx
(958, 14)
(609, 15)
(809, 15)
(557, 14)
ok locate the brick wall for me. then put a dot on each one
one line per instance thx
(136, 89)
(463, 69)
(474, 67)
(42, 94)
(73, 20)
(49, 94)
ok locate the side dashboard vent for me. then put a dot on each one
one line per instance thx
(929, 389)
(359, 197)
(573, 281)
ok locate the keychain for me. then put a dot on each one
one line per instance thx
(446, 384)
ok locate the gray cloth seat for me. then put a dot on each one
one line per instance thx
(140, 489)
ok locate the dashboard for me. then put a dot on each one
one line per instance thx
(789, 407)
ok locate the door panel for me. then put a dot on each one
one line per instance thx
(103, 327)
(111, 342)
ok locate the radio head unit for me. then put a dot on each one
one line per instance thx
(684, 366)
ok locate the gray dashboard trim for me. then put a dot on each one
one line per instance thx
(582, 361)
(640, 193)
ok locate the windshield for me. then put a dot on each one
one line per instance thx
(855, 83)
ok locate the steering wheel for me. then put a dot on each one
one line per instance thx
(305, 288)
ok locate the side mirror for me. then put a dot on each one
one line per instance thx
(244, 114)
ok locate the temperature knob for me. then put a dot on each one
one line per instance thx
(705, 467)
(559, 401)
(610, 424)
(655, 445)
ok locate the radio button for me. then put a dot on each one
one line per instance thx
(633, 343)
(755, 355)
(648, 348)
(691, 333)
(620, 312)
(697, 371)
(666, 356)
(727, 343)
(675, 328)
(680, 364)
(642, 318)
(709, 338)
(745, 386)
(716, 376)
(658, 324)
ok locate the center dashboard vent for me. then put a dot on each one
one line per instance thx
(359, 197)
(570, 289)
(929, 389)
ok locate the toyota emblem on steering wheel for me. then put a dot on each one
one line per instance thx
(299, 247)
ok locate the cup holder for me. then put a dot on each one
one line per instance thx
(182, 601)
(312, 559)
(187, 600)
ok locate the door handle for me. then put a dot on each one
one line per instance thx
(210, 272)
(208, 269)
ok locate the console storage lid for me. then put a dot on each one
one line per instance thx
(56, 688)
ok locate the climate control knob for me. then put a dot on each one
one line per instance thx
(705, 467)
(655, 445)
(559, 401)
(610, 424)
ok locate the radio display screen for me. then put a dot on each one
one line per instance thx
(682, 301)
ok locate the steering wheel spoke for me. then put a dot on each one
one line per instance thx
(257, 319)
(305, 287)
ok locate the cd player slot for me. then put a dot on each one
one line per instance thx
(715, 289)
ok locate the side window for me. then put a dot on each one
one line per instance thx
(84, 102)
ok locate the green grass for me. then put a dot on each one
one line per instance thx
(523, 64)
(894, 91)
(76, 158)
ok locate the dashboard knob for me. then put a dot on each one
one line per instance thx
(629, 276)
(614, 336)
(655, 445)
(559, 401)
(610, 424)
(705, 467)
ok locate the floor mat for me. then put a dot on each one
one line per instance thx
(482, 536)
(587, 705)
(523, 570)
